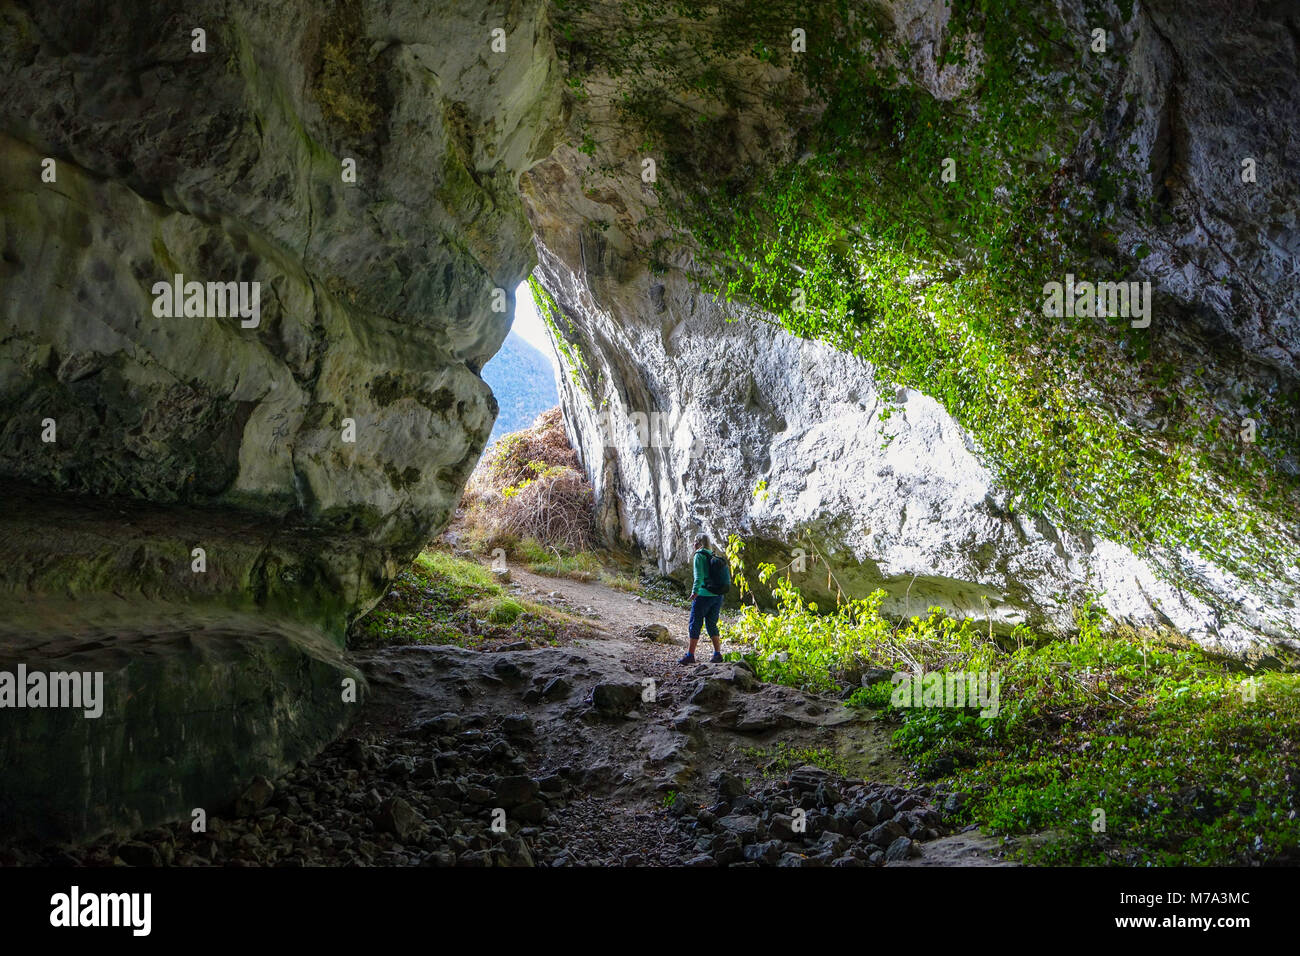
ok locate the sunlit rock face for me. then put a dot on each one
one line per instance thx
(898, 500)
(178, 478)
(784, 441)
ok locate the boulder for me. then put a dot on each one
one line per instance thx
(901, 849)
(781, 827)
(711, 694)
(399, 818)
(745, 826)
(728, 785)
(653, 634)
(885, 834)
(515, 790)
(139, 854)
(615, 699)
(256, 796)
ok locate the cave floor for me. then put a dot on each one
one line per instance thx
(601, 751)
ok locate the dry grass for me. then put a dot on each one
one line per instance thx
(530, 486)
(509, 461)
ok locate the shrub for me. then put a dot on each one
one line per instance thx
(504, 612)
(621, 582)
(529, 495)
(1190, 764)
(799, 646)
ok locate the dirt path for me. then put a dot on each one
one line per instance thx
(615, 611)
(859, 743)
(861, 746)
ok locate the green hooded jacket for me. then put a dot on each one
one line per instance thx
(702, 573)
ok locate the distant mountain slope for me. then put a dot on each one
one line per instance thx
(523, 380)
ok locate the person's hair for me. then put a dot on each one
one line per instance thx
(701, 541)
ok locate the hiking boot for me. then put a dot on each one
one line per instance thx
(716, 658)
(687, 659)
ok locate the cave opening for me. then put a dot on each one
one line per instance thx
(524, 372)
(795, 293)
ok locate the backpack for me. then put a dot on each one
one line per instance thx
(718, 580)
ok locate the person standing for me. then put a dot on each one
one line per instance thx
(712, 580)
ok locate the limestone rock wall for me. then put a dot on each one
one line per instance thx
(901, 500)
(229, 166)
(232, 164)
(898, 501)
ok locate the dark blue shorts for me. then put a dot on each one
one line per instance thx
(704, 613)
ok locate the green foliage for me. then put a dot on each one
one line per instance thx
(563, 333)
(556, 562)
(458, 578)
(620, 582)
(504, 611)
(539, 471)
(562, 563)
(804, 647)
(876, 695)
(1164, 739)
(858, 241)
(428, 596)
(871, 247)
(1186, 770)
(783, 757)
(442, 599)
(533, 552)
